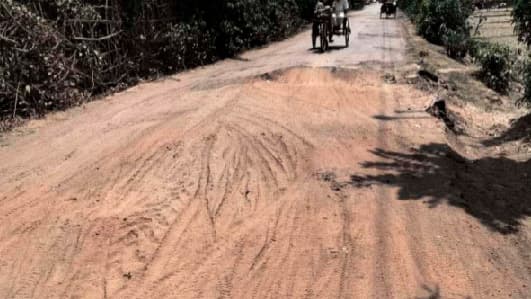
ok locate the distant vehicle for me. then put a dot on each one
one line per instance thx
(326, 24)
(489, 4)
(389, 9)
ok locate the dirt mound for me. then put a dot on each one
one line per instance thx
(311, 75)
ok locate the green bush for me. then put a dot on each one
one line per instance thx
(183, 45)
(436, 19)
(456, 42)
(495, 61)
(442, 22)
(522, 20)
(56, 53)
(35, 72)
(410, 7)
(527, 81)
(476, 47)
(242, 27)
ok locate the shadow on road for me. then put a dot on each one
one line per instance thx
(389, 118)
(520, 130)
(494, 190)
(317, 50)
(432, 292)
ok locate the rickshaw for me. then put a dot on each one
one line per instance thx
(326, 23)
(388, 8)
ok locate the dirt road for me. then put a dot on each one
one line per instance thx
(274, 175)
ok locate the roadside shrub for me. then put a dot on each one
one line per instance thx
(435, 19)
(527, 81)
(476, 47)
(36, 73)
(522, 20)
(495, 62)
(442, 22)
(410, 7)
(57, 53)
(306, 8)
(456, 43)
(253, 23)
(181, 46)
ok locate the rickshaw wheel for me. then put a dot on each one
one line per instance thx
(347, 41)
(346, 31)
(324, 38)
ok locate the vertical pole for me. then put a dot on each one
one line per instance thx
(16, 101)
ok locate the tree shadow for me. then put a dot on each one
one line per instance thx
(520, 130)
(432, 292)
(497, 191)
(408, 111)
(337, 47)
(390, 118)
(331, 48)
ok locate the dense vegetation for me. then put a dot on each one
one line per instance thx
(443, 22)
(522, 20)
(57, 53)
(527, 81)
(496, 66)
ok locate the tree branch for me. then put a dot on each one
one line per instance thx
(99, 38)
(7, 39)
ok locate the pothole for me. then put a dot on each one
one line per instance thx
(310, 75)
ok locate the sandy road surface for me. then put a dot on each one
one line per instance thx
(222, 182)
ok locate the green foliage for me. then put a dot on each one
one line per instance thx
(527, 81)
(456, 42)
(476, 47)
(32, 61)
(496, 65)
(255, 22)
(522, 20)
(443, 22)
(241, 24)
(56, 53)
(436, 18)
(306, 8)
(180, 46)
(410, 7)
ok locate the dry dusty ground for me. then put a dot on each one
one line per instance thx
(277, 175)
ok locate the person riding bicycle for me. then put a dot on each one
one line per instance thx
(322, 6)
(339, 8)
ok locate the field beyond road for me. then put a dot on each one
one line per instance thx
(284, 173)
(497, 27)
